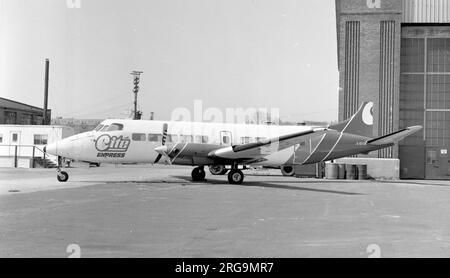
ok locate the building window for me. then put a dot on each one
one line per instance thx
(27, 119)
(138, 136)
(40, 139)
(10, 117)
(15, 137)
(1, 138)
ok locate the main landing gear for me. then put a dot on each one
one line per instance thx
(198, 174)
(62, 176)
(235, 176)
(218, 170)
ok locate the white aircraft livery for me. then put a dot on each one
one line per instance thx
(223, 147)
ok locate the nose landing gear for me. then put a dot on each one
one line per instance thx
(61, 176)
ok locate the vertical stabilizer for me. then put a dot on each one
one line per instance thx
(361, 123)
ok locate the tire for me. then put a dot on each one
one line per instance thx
(288, 170)
(235, 177)
(198, 174)
(218, 170)
(62, 176)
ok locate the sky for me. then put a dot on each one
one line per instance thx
(227, 53)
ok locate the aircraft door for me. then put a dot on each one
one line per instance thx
(225, 138)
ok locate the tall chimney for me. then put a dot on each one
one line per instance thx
(45, 116)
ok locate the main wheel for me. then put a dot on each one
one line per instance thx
(287, 170)
(218, 170)
(62, 176)
(235, 176)
(198, 174)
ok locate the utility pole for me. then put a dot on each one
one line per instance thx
(45, 120)
(136, 79)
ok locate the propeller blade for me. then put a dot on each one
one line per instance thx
(163, 142)
(162, 151)
(158, 158)
(164, 134)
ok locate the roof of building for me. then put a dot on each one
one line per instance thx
(8, 103)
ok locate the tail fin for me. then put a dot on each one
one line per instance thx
(361, 123)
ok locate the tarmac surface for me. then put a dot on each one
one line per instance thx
(156, 211)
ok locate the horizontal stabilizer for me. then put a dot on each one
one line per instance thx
(394, 137)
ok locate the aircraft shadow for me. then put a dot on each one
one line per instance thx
(272, 185)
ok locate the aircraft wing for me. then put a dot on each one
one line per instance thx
(253, 152)
(394, 137)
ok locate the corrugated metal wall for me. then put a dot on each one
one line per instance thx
(351, 82)
(426, 11)
(386, 93)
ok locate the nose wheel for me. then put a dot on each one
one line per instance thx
(61, 176)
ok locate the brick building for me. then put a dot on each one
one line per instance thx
(17, 113)
(396, 53)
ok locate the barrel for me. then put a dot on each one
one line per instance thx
(341, 174)
(350, 170)
(362, 171)
(331, 171)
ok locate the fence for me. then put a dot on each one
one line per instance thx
(31, 152)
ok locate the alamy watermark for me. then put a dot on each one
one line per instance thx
(73, 4)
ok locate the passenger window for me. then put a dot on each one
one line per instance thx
(173, 138)
(152, 137)
(245, 140)
(115, 127)
(138, 136)
(201, 139)
(186, 138)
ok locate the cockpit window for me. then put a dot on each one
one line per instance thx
(114, 127)
(104, 128)
(98, 127)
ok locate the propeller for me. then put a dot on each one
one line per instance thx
(162, 150)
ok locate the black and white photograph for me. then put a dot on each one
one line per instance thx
(242, 131)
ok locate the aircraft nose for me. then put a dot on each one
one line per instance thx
(51, 148)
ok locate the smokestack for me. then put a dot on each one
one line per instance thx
(45, 116)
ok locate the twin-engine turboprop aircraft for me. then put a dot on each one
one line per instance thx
(219, 146)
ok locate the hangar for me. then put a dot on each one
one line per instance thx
(397, 54)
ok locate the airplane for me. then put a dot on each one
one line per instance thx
(221, 145)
